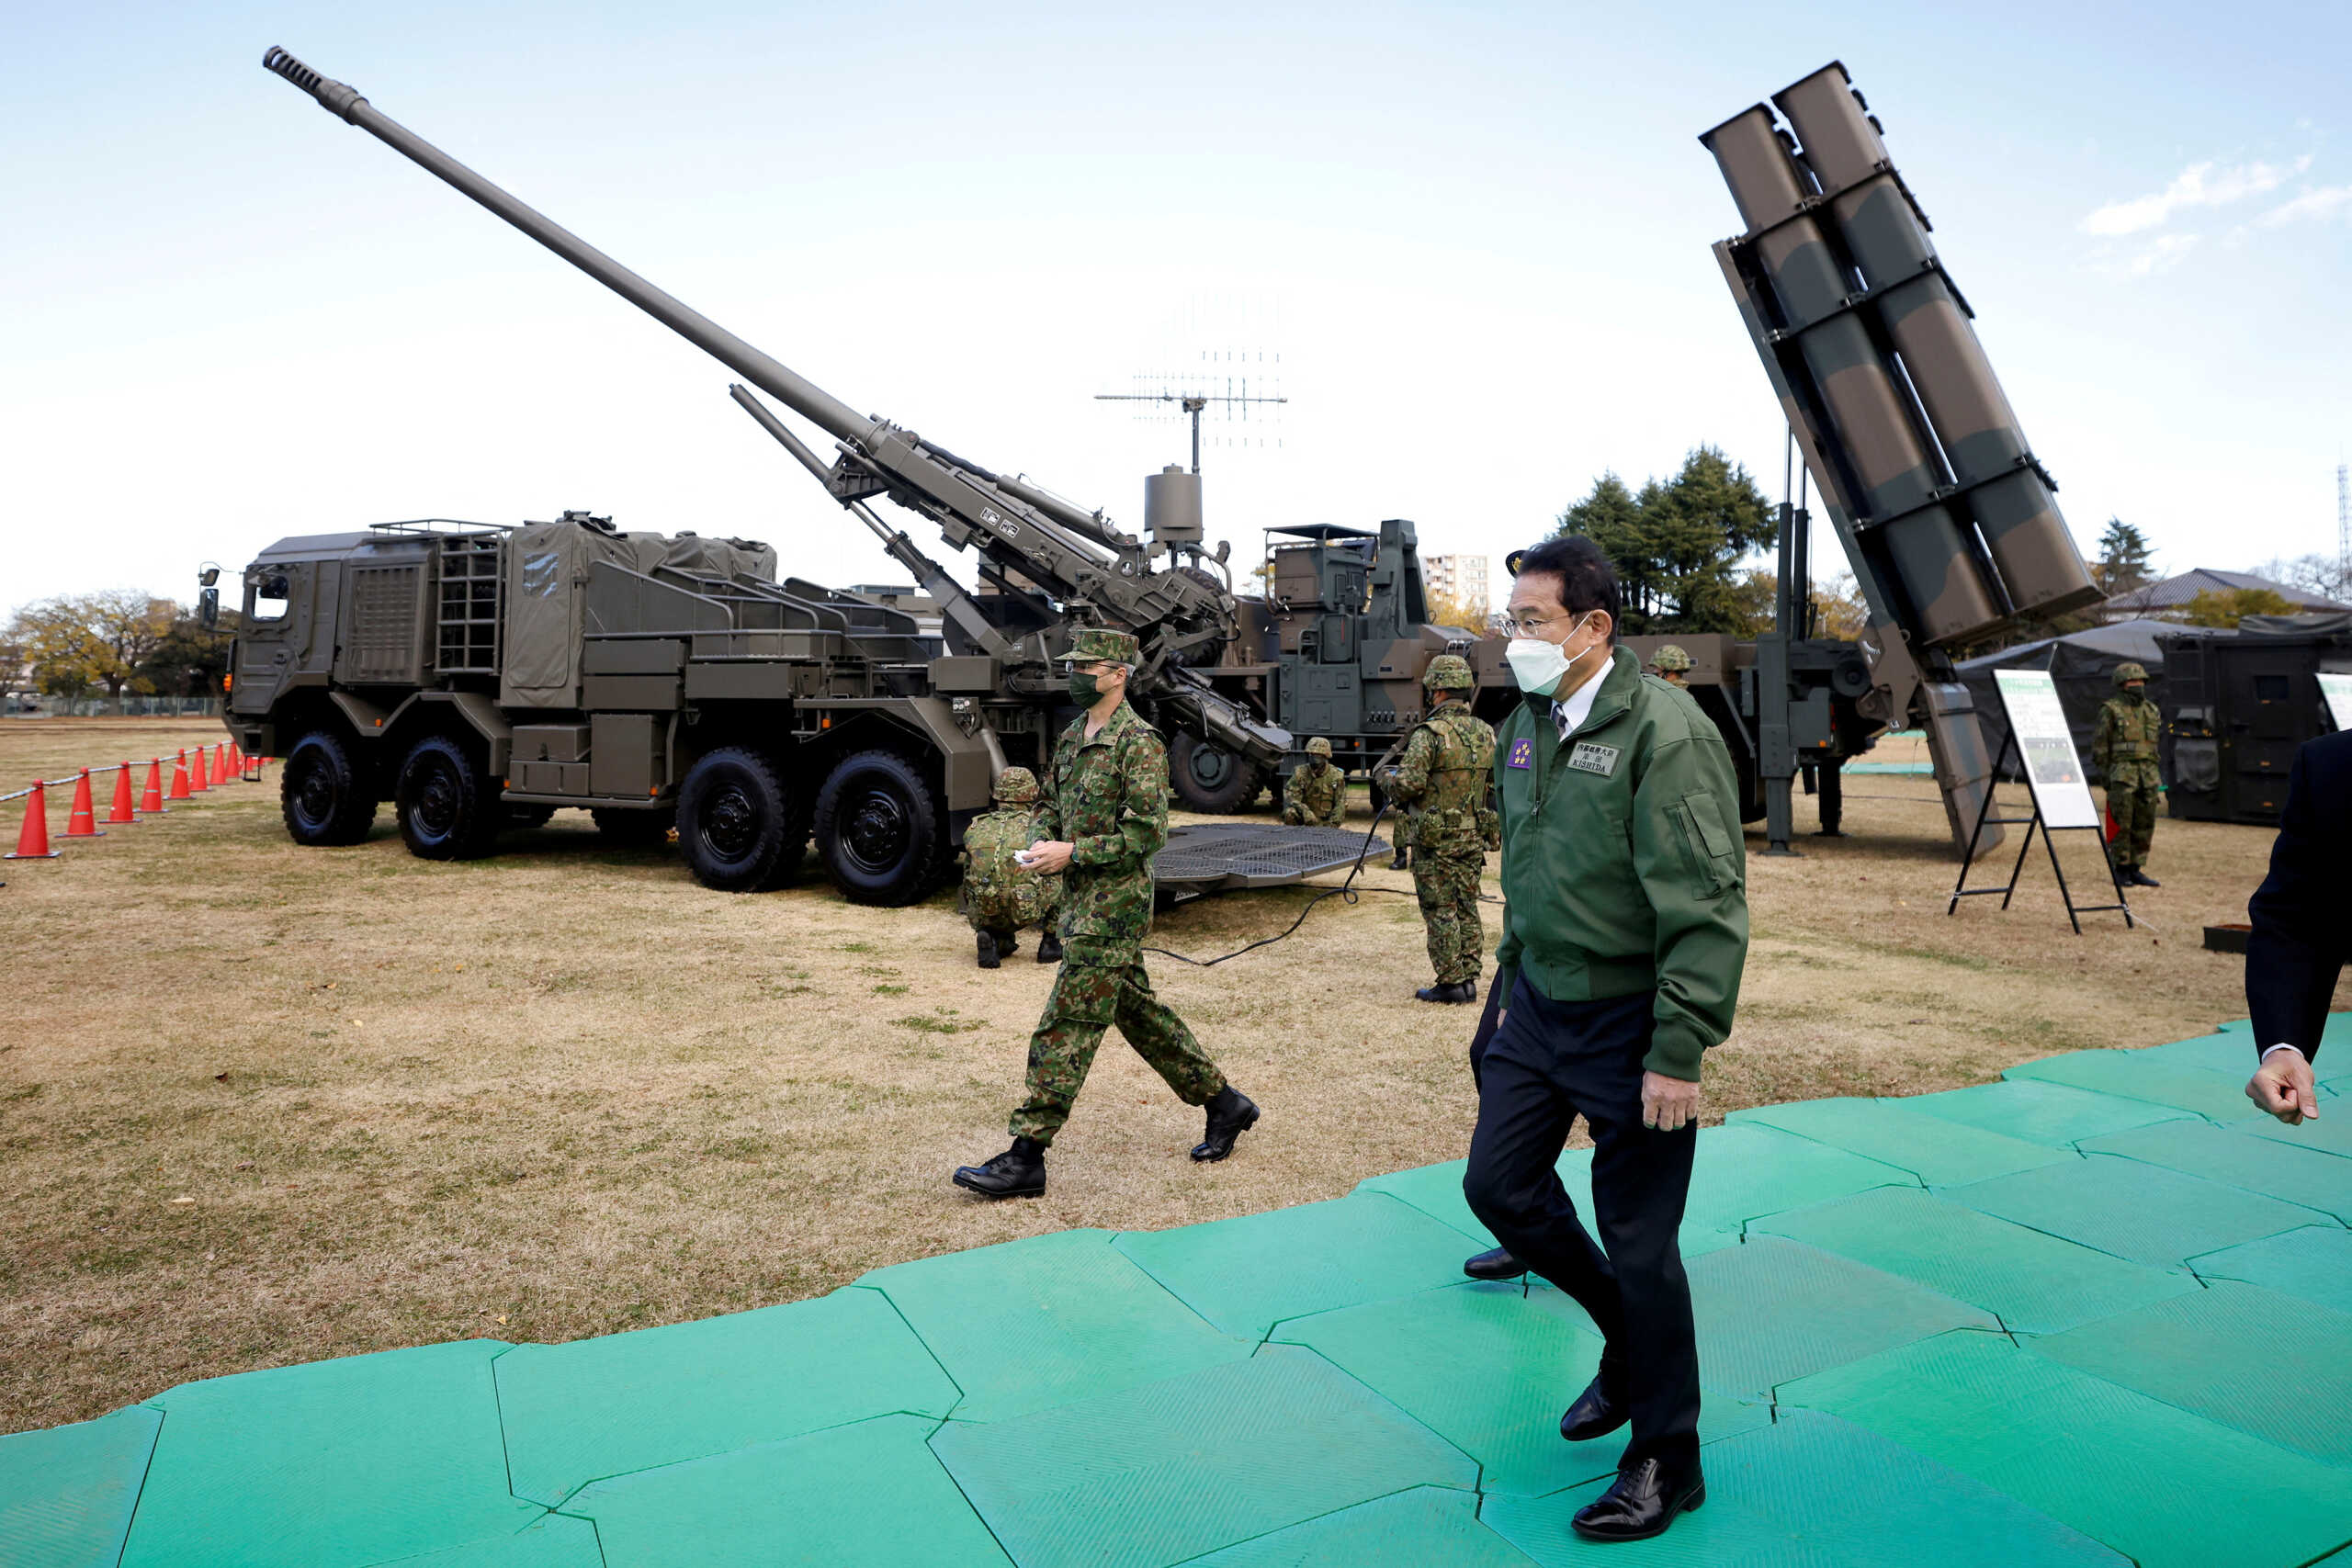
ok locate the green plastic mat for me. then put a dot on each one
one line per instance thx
(2133, 1210)
(1490, 1369)
(1173, 1470)
(2166, 1487)
(870, 1495)
(551, 1541)
(2034, 1283)
(1246, 1275)
(1811, 1491)
(597, 1407)
(2268, 1165)
(2314, 1264)
(1033, 1323)
(1427, 1526)
(1435, 1190)
(2223, 1051)
(1932, 1149)
(1744, 1172)
(330, 1465)
(2040, 1111)
(2134, 1075)
(1773, 1310)
(66, 1493)
(2239, 1355)
(2331, 1133)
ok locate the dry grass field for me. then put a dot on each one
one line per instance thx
(262, 1104)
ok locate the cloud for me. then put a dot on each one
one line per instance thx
(2319, 201)
(2160, 253)
(2208, 183)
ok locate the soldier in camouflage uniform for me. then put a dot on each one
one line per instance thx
(2123, 745)
(1001, 897)
(1104, 817)
(1443, 776)
(1317, 792)
(1673, 665)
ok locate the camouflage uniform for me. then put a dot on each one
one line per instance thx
(1673, 665)
(2123, 745)
(1444, 775)
(999, 895)
(1317, 792)
(1107, 795)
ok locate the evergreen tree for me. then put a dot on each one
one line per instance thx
(2125, 560)
(1678, 545)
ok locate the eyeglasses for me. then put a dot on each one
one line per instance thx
(1531, 626)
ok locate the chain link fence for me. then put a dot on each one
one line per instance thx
(19, 705)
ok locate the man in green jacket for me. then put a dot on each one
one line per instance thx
(1625, 932)
(1104, 817)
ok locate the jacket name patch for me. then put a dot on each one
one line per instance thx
(1592, 759)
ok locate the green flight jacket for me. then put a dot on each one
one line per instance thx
(1624, 865)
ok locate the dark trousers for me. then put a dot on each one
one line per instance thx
(1550, 1063)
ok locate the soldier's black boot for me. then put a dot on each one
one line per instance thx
(1498, 1264)
(1230, 1115)
(1019, 1172)
(1456, 991)
(1404, 858)
(2139, 878)
(1006, 944)
(1049, 948)
(988, 949)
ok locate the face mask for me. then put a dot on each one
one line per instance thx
(1539, 666)
(1081, 689)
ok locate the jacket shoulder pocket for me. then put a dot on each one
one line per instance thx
(1714, 853)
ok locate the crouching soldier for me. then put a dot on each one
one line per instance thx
(1001, 895)
(1316, 793)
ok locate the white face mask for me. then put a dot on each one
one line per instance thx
(1539, 666)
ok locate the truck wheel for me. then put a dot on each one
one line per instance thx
(1207, 778)
(449, 809)
(738, 826)
(879, 830)
(323, 794)
(625, 827)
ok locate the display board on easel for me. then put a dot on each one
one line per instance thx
(2054, 782)
(2335, 698)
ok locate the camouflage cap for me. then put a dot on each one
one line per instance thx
(1016, 786)
(1671, 657)
(1319, 747)
(2128, 670)
(1448, 672)
(1100, 645)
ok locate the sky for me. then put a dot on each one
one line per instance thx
(1469, 245)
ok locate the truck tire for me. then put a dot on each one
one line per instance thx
(738, 826)
(1209, 779)
(325, 796)
(447, 805)
(626, 827)
(880, 830)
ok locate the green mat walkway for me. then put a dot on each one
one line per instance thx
(2098, 1312)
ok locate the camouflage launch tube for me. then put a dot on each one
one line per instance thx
(1890, 458)
(1930, 329)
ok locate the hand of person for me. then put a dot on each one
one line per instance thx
(1668, 1103)
(1050, 856)
(2283, 1087)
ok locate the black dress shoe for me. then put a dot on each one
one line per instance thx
(1456, 991)
(1019, 1172)
(1049, 949)
(1230, 1115)
(1498, 1264)
(1594, 1414)
(988, 949)
(1641, 1503)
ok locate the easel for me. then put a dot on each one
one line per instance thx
(2049, 842)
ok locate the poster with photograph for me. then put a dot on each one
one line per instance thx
(2335, 695)
(2053, 769)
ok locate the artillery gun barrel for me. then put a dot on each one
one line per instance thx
(1088, 525)
(778, 382)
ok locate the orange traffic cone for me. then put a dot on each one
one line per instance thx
(151, 799)
(179, 777)
(200, 783)
(81, 821)
(122, 811)
(220, 764)
(32, 841)
(237, 760)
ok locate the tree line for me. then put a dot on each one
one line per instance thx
(115, 643)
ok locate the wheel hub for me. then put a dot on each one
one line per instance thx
(731, 823)
(877, 833)
(314, 794)
(1211, 768)
(437, 800)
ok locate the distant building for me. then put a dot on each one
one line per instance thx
(1462, 579)
(2169, 598)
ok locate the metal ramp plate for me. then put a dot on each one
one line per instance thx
(1201, 858)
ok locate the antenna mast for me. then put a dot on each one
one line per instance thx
(1194, 403)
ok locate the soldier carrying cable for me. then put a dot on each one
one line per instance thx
(1443, 776)
(1001, 895)
(1104, 817)
(2123, 745)
(1316, 795)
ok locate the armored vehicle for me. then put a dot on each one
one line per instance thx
(2238, 705)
